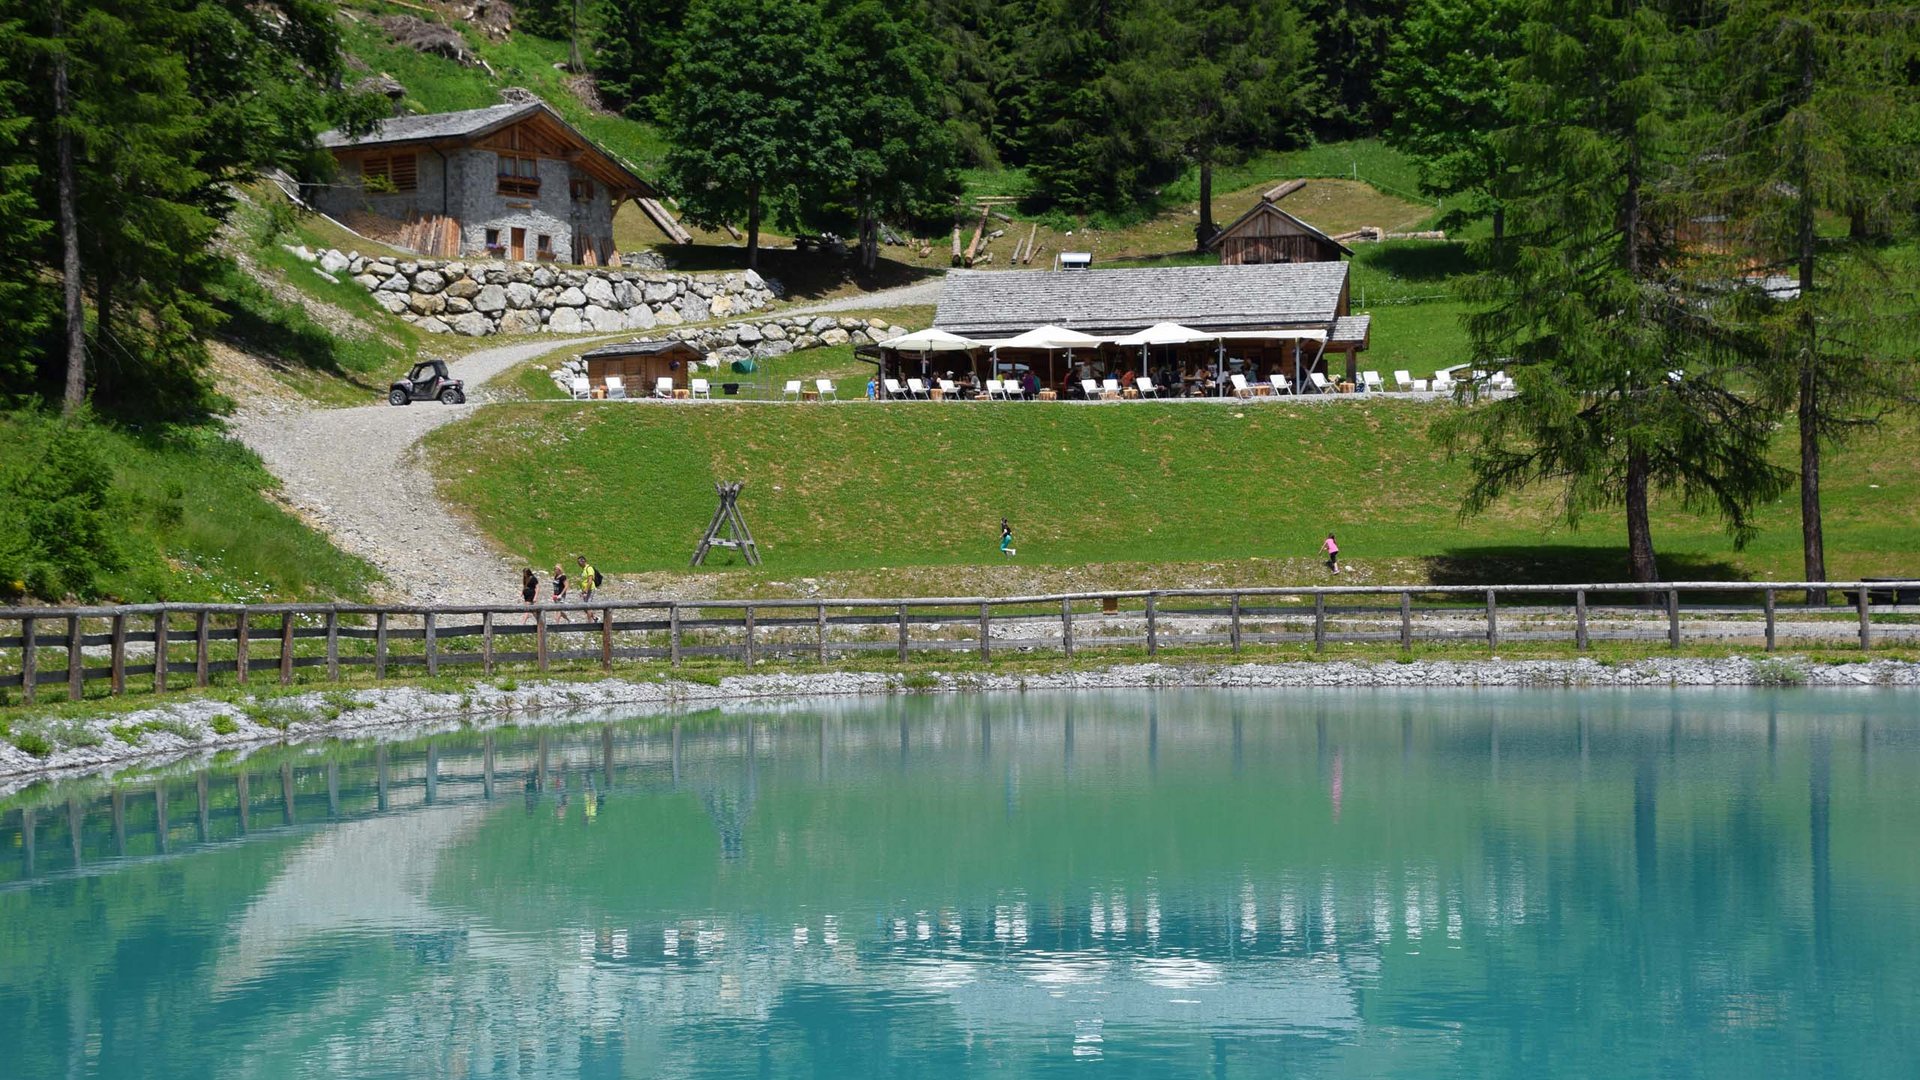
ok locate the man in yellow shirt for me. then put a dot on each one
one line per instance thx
(589, 579)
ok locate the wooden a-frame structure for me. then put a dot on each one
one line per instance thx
(727, 520)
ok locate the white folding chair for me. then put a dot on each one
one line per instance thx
(663, 386)
(1403, 380)
(1240, 387)
(1442, 383)
(996, 389)
(616, 388)
(1090, 389)
(699, 389)
(1146, 387)
(825, 386)
(579, 388)
(1279, 383)
(948, 391)
(1111, 386)
(1320, 383)
(791, 390)
(916, 388)
(894, 389)
(1370, 382)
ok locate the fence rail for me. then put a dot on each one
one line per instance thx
(180, 645)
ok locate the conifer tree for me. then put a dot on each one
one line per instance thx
(634, 46)
(1623, 364)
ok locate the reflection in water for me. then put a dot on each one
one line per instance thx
(1232, 884)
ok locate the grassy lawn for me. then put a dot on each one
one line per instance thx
(863, 487)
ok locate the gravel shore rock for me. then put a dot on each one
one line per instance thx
(186, 728)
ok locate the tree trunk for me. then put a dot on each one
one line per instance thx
(753, 227)
(76, 389)
(1499, 223)
(869, 235)
(1203, 232)
(1812, 534)
(1639, 523)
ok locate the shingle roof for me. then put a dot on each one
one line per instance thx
(1350, 330)
(638, 348)
(449, 125)
(1266, 206)
(1001, 303)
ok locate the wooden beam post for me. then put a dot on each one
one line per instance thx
(29, 659)
(286, 647)
(1066, 626)
(1493, 622)
(1319, 622)
(76, 674)
(903, 632)
(748, 618)
(1866, 621)
(200, 675)
(1233, 630)
(380, 645)
(486, 643)
(160, 653)
(1580, 619)
(430, 626)
(986, 632)
(1673, 618)
(1406, 622)
(673, 634)
(820, 633)
(1153, 628)
(606, 639)
(540, 636)
(240, 629)
(333, 644)
(1770, 619)
(119, 653)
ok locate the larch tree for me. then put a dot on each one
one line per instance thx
(1445, 85)
(1815, 114)
(749, 115)
(1624, 366)
(1217, 79)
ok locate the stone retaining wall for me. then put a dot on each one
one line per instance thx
(477, 298)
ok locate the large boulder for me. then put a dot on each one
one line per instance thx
(432, 325)
(598, 290)
(747, 334)
(565, 320)
(457, 305)
(820, 325)
(835, 336)
(394, 302)
(623, 295)
(383, 269)
(604, 319)
(753, 280)
(395, 283)
(666, 316)
(542, 277)
(773, 331)
(520, 295)
(768, 349)
(721, 306)
(366, 281)
(428, 281)
(491, 298)
(660, 291)
(571, 296)
(332, 261)
(693, 308)
(465, 288)
(520, 321)
(427, 303)
(640, 317)
(701, 286)
(473, 324)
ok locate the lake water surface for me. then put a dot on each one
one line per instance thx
(1300, 883)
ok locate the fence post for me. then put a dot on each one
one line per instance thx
(380, 645)
(200, 619)
(333, 643)
(1580, 619)
(486, 643)
(820, 633)
(119, 653)
(1233, 626)
(606, 639)
(1406, 621)
(673, 633)
(1770, 619)
(29, 660)
(1673, 618)
(286, 647)
(903, 633)
(986, 628)
(540, 636)
(1319, 622)
(1493, 621)
(748, 608)
(432, 633)
(75, 674)
(160, 653)
(240, 629)
(1153, 624)
(1866, 622)
(1066, 626)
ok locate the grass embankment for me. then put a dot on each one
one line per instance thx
(859, 487)
(191, 517)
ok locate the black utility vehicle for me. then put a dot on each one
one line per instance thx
(427, 381)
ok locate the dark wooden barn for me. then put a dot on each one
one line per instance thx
(1268, 234)
(641, 364)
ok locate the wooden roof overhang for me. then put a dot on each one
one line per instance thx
(536, 129)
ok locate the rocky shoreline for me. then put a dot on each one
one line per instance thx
(189, 727)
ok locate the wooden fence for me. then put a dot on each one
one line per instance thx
(178, 645)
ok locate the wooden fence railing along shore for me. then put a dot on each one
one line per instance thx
(172, 646)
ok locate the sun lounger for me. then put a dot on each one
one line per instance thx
(579, 388)
(616, 388)
(791, 390)
(825, 386)
(663, 386)
(1111, 386)
(916, 388)
(700, 389)
(1320, 383)
(948, 391)
(1279, 383)
(1146, 387)
(1371, 383)
(1089, 389)
(894, 389)
(1240, 387)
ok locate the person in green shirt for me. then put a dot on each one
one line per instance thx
(589, 579)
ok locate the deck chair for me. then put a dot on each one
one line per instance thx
(1240, 387)
(894, 389)
(1504, 381)
(996, 389)
(948, 391)
(579, 388)
(916, 388)
(1371, 383)
(1442, 383)
(1089, 389)
(1111, 386)
(1320, 383)
(699, 389)
(791, 390)
(825, 386)
(663, 386)
(1279, 383)
(616, 388)
(1403, 380)
(1146, 387)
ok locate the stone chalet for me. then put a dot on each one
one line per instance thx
(510, 181)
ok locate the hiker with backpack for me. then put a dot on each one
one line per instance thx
(589, 579)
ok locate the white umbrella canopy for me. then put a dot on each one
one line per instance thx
(1166, 333)
(1050, 337)
(931, 341)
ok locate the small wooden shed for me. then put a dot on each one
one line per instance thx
(1268, 234)
(641, 364)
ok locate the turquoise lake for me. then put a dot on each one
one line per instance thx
(1303, 883)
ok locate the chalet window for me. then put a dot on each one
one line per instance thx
(545, 248)
(518, 175)
(580, 188)
(494, 246)
(396, 172)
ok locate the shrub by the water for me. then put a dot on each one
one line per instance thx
(56, 531)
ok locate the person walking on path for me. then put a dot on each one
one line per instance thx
(560, 588)
(589, 579)
(1332, 551)
(1006, 539)
(529, 590)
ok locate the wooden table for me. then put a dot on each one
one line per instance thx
(1261, 389)
(682, 392)
(1047, 395)
(934, 393)
(1130, 393)
(809, 395)
(1346, 388)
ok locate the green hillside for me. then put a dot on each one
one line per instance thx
(916, 484)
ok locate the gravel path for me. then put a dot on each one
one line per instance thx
(358, 475)
(924, 292)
